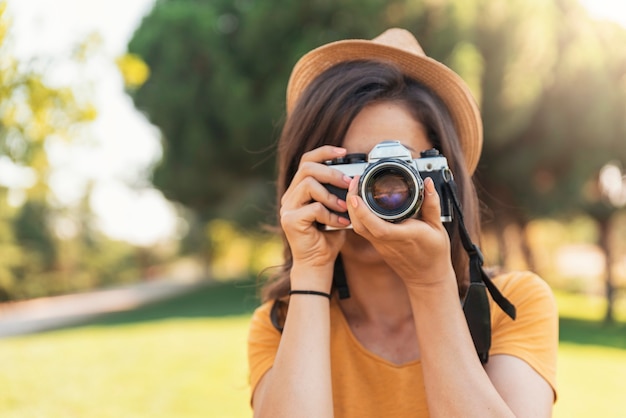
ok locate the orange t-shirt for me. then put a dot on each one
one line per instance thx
(366, 385)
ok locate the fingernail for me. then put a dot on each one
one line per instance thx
(354, 201)
(347, 179)
(342, 203)
(339, 151)
(344, 221)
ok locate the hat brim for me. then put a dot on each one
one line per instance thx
(444, 82)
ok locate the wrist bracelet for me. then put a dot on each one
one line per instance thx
(309, 292)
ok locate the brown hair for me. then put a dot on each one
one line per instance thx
(322, 117)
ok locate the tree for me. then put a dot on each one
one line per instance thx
(219, 69)
(34, 259)
(575, 128)
(218, 76)
(30, 112)
(549, 168)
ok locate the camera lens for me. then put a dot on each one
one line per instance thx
(392, 189)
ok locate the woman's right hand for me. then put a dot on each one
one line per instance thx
(307, 203)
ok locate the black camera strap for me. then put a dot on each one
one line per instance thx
(476, 303)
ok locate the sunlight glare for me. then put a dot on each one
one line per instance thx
(614, 10)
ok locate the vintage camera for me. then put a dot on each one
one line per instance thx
(391, 183)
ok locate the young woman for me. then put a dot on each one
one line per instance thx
(399, 345)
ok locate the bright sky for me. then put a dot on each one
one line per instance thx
(119, 148)
(607, 9)
(124, 144)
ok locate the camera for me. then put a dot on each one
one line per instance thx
(391, 183)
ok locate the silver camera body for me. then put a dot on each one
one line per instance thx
(392, 181)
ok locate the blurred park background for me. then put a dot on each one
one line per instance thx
(137, 145)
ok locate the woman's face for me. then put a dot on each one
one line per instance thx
(375, 123)
(384, 121)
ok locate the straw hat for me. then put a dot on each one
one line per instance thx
(401, 48)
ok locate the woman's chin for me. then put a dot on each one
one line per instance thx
(358, 247)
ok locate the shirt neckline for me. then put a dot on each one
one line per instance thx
(336, 309)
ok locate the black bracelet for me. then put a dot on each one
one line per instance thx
(309, 292)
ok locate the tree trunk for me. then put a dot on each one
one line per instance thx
(527, 252)
(519, 245)
(605, 244)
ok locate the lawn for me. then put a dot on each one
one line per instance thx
(181, 358)
(186, 358)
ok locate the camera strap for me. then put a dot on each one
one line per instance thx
(476, 303)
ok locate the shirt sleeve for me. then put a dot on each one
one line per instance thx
(263, 340)
(533, 335)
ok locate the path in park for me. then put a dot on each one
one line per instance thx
(42, 314)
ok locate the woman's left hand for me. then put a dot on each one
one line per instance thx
(417, 249)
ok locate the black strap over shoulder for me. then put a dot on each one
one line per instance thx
(476, 302)
(339, 279)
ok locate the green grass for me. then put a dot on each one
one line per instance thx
(174, 368)
(592, 359)
(591, 382)
(186, 357)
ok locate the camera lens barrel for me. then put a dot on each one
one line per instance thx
(392, 189)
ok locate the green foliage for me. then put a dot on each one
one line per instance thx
(219, 71)
(32, 231)
(550, 81)
(31, 111)
(235, 253)
(35, 262)
(34, 259)
(217, 91)
(549, 165)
